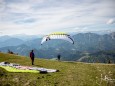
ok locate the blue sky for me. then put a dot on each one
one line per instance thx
(46, 16)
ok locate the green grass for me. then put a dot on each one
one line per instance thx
(70, 73)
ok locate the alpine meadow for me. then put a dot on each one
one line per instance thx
(69, 74)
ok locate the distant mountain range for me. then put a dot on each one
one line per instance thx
(84, 43)
(10, 41)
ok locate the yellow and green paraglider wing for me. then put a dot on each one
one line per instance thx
(12, 69)
(57, 35)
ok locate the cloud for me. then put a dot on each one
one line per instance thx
(105, 8)
(2, 5)
(111, 21)
(45, 16)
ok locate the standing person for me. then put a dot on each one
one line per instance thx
(58, 57)
(32, 56)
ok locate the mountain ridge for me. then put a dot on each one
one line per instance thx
(84, 43)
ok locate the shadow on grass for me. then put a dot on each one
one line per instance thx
(38, 65)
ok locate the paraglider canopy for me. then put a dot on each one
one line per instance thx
(57, 35)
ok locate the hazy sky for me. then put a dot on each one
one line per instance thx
(46, 16)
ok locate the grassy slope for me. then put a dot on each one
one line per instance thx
(71, 73)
